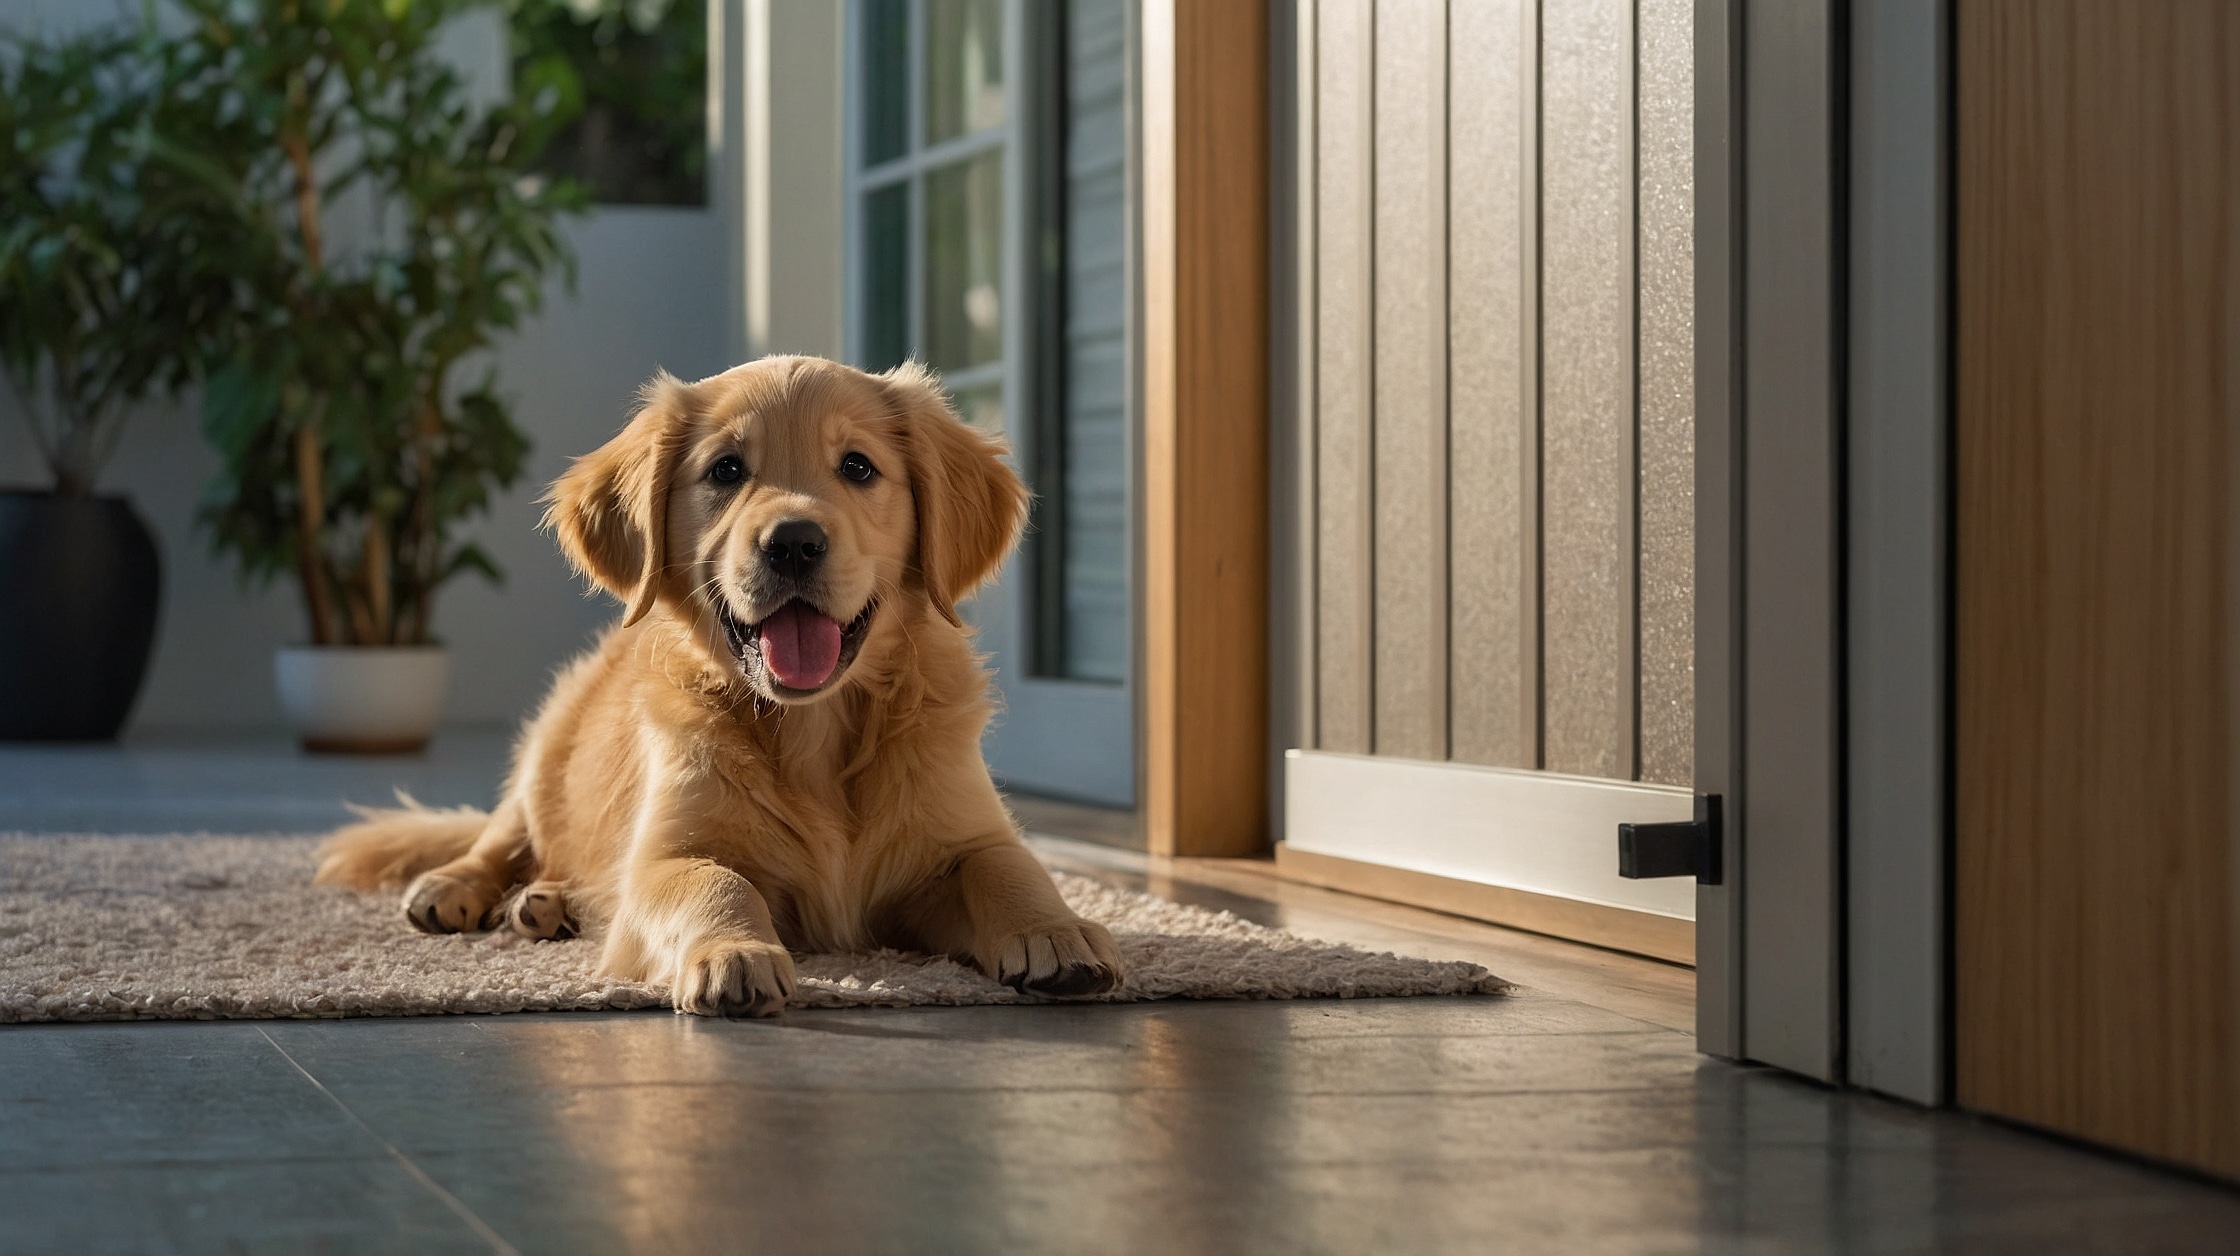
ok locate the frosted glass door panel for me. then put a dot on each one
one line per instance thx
(1666, 81)
(1409, 451)
(1493, 404)
(1499, 399)
(1343, 294)
(1586, 386)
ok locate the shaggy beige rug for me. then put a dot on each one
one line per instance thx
(200, 927)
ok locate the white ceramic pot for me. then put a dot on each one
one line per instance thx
(357, 699)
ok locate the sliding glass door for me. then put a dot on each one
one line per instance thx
(988, 236)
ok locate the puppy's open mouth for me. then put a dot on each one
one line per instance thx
(799, 646)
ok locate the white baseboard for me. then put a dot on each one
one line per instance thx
(1538, 832)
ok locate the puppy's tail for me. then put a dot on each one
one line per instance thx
(389, 846)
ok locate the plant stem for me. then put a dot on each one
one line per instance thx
(79, 459)
(426, 552)
(75, 462)
(376, 577)
(361, 617)
(298, 146)
(33, 405)
(311, 567)
(310, 486)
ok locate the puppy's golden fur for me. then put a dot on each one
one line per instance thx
(680, 795)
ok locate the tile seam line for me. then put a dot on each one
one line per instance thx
(481, 1228)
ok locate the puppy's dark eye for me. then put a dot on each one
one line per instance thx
(727, 470)
(858, 468)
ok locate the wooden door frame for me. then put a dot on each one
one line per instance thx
(1205, 154)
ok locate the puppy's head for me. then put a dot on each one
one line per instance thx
(789, 512)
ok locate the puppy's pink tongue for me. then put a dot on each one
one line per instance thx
(801, 646)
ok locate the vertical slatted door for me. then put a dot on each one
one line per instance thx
(1496, 400)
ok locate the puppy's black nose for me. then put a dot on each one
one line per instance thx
(794, 548)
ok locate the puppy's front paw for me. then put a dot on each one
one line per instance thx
(539, 911)
(1063, 959)
(439, 903)
(730, 977)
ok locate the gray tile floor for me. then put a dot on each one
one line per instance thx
(227, 782)
(1545, 1123)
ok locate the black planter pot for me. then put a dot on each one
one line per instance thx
(79, 588)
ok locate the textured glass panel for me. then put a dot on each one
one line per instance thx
(1411, 379)
(1342, 297)
(964, 262)
(1587, 414)
(1493, 655)
(964, 67)
(886, 277)
(982, 407)
(1095, 613)
(886, 80)
(1668, 436)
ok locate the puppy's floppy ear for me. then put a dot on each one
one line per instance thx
(610, 510)
(971, 504)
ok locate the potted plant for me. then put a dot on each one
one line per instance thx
(352, 450)
(98, 275)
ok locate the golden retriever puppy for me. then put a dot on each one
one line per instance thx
(778, 748)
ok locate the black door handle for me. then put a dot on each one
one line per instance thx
(1681, 848)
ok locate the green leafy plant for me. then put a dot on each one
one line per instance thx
(101, 243)
(351, 450)
(627, 81)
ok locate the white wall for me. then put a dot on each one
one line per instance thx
(653, 292)
(650, 296)
(776, 72)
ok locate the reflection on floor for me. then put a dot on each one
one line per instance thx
(1105, 826)
(1573, 1117)
(232, 782)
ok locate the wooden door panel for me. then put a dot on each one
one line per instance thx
(2096, 177)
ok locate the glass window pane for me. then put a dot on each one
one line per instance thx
(964, 262)
(964, 67)
(1096, 513)
(1081, 591)
(886, 277)
(886, 80)
(982, 407)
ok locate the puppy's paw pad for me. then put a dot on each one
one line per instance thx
(1063, 960)
(541, 912)
(734, 978)
(437, 903)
